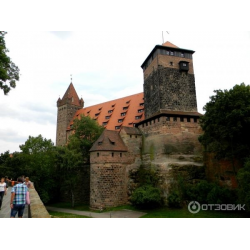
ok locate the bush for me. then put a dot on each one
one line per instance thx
(146, 196)
(174, 199)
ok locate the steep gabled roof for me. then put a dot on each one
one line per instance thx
(109, 141)
(125, 111)
(70, 96)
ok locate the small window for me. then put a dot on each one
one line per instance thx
(171, 64)
(168, 119)
(98, 154)
(141, 104)
(107, 117)
(131, 136)
(138, 117)
(100, 143)
(100, 109)
(113, 154)
(171, 53)
(175, 119)
(97, 114)
(136, 136)
(117, 127)
(113, 106)
(120, 154)
(123, 114)
(158, 119)
(125, 108)
(110, 111)
(182, 119)
(188, 119)
(127, 102)
(104, 124)
(120, 120)
(195, 120)
(140, 110)
(182, 55)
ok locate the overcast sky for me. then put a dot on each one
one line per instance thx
(105, 65)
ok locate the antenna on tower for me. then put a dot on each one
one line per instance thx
(71, 78)
(163, 36)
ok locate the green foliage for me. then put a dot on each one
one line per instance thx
(9, 72)
(244, 185)
(146, 196)
(38, 162)
(226, 123)
(203, 192)
(86, 132)
(147, 176)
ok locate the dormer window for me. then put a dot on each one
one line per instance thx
(125, 108)
(127, 102)
(140, 110)
(120, 120)
(97, 114)
(100, 143)
(138, 117)
(113, 106)
(117, 127)
(123, 114)
(110, 111)
(107, 117)
(141, 104)
(104, 124)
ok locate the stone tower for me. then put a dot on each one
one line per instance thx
(66, 109)
(169, 82)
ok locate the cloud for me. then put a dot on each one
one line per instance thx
(62, 34)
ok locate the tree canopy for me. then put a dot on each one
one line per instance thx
(9, 72)
(226, 123)
(86, 132)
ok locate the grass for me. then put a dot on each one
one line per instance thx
(65, 215)
(162, 212)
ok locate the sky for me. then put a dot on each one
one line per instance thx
(104, 65)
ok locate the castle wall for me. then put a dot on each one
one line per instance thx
(171, 137)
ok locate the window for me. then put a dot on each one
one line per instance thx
(120, 120)
(107, 117)
(117, 127)
(188, 119)
(184, 65)
(168, 119)
(195, 120)
(138, 117)
(110, 111)
(140, 110)
(171, 53)
(182, 55)
(98, 154)
(125, 108)
(182, 119)
(97, 114)
(100, 143)
(100, 109)
(171, 64)
(120, 154)
(141, 104)
(175, 119)
(113, 106)
(104, 124)
(123, 114)
(112, 154)
(127, 102)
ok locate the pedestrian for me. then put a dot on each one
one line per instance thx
(18, 198)
(28, 183)
(3, 191)
(7, 182)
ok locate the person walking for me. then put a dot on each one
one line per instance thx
(18, 198)
(3, 191)
(28, 183)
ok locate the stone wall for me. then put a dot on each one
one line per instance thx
(36, 207)
(173, 136)
(169, 89)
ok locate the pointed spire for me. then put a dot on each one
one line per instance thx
(71, 97)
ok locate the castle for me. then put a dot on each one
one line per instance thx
(158, 128)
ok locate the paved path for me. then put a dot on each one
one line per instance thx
(114, 214)
(5, 211)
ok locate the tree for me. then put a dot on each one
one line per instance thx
(85, 132)
(226, 123)
(38, 158)
(9, 72)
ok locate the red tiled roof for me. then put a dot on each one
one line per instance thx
(70, 95)
(169, 44)
(109, 141)
(117, 113)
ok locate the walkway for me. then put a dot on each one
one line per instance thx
(5, 211)
(113, 214)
